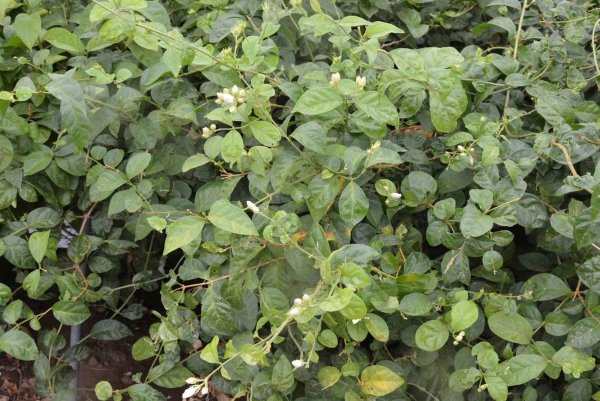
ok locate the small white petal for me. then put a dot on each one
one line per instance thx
(226, 97)
(395, 195)
(297, 363)
(189, 392)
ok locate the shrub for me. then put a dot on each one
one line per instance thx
(359, 200)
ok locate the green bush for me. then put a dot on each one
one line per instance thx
(369, 199)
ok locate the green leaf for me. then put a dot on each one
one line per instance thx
(110, 330)
(103, 390)
(523, 368)
(463, 315)
(328, 376)
(474, 223)
(417, 187)
(589, 273)
(584, 333)
(6, 152)
(38, 244)
(514, 328)
(310, 135)
(377, 106)
(415, 304)
(36, 162)
(104, 186)
(143, 349)
(43, 217)
(318, 101)
(182, 232)
(232, 146)
(174, 378)
(28, 28)
(19, 345)
(70, 313)
(137, 164)
(546, 286)
(377, 327)
(265, 133)
(380, 29)
(209, 352)
(337, 300)
(379, 381)
(432, 335)
(446, 109)
(194, 161)
(231, 218)
(183, 109)
(282, 378)
(353, 204)
(496, 387)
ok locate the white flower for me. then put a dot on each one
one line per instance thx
(297, 302)
(252, 207)
(295, 311)
(232, 108)
(206, 132)
(204, 390)
(190, 392)
(395, 195)
(355, 321)
(235, 90)
(460, 148)
(225, 97)
(298, 363)
(192, 380)
(306, 297)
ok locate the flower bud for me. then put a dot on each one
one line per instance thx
(460, 148)
(395, 195)
(192, 380)
(204, 391)
(297, 302)
(213, 127)
(235, 90)
(298, 363)
(335, 80)
(295, 311)
(306, 297)
(252, 207)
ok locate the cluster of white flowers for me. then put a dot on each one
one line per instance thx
(194, 388)
(466, 152)
(208, 131)
(232, 98)
(459, 338)
(298, 305)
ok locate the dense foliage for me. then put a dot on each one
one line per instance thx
(353, 200)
